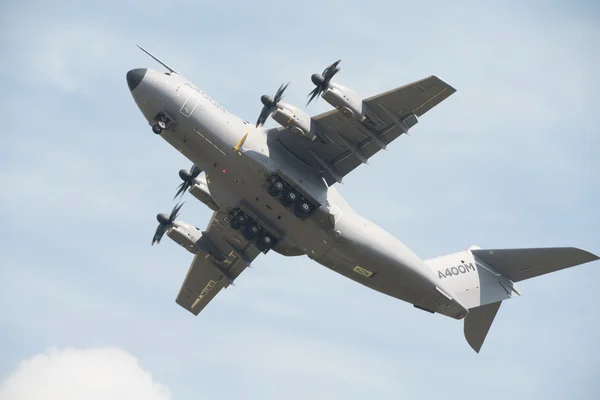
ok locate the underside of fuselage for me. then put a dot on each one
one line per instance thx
(270, 190)
(242, 165)
(239, 161)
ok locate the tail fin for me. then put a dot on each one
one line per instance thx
(482, 279)
(478, 323)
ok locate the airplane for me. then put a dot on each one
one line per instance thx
(274, 189)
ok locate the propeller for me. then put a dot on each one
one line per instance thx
(321, 81)
(187, 177)
(269, 104)
(164, 223)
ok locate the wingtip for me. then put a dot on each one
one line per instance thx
(589, 256)
(593, 256)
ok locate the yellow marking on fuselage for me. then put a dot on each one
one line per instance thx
(242, 140)
(362, 271)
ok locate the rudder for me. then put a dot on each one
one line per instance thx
(478, 323)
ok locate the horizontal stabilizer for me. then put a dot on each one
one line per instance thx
(478, 323)
(521, 264)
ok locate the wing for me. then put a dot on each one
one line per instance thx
(346, 144)
(224, 254)
(521, 264)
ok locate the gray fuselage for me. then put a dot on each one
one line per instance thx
(237, 157)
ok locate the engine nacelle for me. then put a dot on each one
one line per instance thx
(345, 100)
(185, 235)
(294, 119)
(199, 190)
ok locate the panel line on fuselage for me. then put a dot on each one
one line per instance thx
(208, 140)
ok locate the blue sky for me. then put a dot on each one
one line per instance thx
(510, 160)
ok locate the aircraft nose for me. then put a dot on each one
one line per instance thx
(134, 77)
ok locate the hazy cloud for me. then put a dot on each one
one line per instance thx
(75, 374)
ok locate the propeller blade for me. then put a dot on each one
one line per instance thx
(160, 231)
(270, 104)
(264, 114)
(175, 212)
(181, 189)
(195, 171)
(322, 81)
(165, 223)
(331, 70)
(188, 179)
(279, 93)
(315, 92)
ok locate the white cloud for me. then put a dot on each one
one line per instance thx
(74, 374)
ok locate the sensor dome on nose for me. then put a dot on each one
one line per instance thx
(134, 77)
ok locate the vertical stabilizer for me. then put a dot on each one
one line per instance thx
(478, 323)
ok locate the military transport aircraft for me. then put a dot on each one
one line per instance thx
(273, 189)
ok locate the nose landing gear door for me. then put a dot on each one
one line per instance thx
(189, 106)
